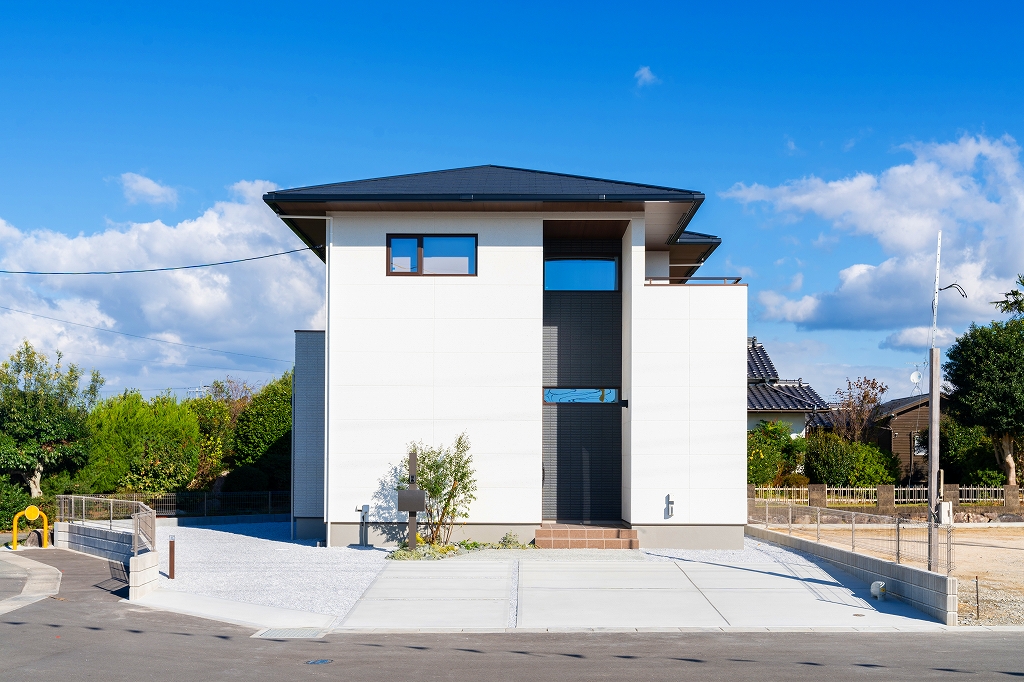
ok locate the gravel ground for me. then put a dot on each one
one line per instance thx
(257, 563)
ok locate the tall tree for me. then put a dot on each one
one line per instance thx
(1013, 301)
(42, 415)
(853, 412)
(986, 369)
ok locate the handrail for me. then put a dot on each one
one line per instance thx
(100, 510)
(677, 281)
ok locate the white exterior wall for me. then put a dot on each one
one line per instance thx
(425, 358)
(684, 433)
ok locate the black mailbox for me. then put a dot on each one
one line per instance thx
(412, 500)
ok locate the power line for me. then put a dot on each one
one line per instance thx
(131, 272)
(176, 364)
(136, 336)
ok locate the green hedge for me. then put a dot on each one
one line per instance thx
(263, 433)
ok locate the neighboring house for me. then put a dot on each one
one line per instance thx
(770, 398)
(556, 320)
(895, 426)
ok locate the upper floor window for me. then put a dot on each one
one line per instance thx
(431, 254)
(581, 274)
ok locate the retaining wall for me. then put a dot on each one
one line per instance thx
(932, 593)
(113, 545)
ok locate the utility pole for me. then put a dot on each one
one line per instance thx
(934, 407)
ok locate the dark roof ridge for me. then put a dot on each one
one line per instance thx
(491, 165)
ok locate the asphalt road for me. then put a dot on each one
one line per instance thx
(87, 633)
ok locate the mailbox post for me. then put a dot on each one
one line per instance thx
(412, 500)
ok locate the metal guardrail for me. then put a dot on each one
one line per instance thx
(680, 281)
(213, 504)
(112, 513)
(900, 540)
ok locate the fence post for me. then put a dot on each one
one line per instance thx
(766, 514)
(270, 505)
(790, 518)
(817, 536)
(897, 539)
(949, 549)
(853, 533)
(111, 513)
(206, 498)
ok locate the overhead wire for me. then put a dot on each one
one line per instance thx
(147, 338)
(176, 267)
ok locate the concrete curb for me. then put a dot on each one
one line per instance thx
(233, 612)
(932, 593)
(42, 581)
(937, 627)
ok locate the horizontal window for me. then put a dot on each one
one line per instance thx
(581, 395)
(581, 274)
(431, 254)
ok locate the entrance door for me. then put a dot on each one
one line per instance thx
(582, 414)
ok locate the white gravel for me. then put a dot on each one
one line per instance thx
(257, 563)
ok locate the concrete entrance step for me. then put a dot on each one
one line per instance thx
(581, 536)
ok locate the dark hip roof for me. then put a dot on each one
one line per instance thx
(483, 183)
(784, 397)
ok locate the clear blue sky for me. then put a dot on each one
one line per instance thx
(793, 101)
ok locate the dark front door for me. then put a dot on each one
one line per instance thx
(583, 363)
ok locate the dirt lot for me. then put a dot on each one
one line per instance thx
(995, 556)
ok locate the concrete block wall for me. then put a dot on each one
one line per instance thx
(932, 593)
(143, 573)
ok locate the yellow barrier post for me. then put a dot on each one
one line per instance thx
(31, 513)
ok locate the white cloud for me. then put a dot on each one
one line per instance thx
(797, 283)
(778, 307)
(971, 189)
(249, 308)
(917, 338)
(140, 188)
(644, 76)
(791, 147)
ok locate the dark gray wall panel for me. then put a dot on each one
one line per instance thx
(582, 462)
(582, 339)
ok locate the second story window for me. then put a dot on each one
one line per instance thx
(427, 254)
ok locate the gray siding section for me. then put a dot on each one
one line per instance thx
(308, 424)
(583, 339)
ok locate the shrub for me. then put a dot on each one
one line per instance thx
(872, 466)
(966, 454)
(764, 454)
(262, 435)
(150, 446)
(13, 499)
(828, 460)
(447, 477)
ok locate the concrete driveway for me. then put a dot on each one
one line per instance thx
(637, 591)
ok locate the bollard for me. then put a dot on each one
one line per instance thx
(170, 558)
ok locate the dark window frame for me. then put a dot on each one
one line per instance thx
(419, 255)
(588, 256)
(617, 389)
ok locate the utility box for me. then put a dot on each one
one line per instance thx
(412, 501)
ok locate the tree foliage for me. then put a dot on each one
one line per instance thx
(447, 477)
(985, 367)
(835, 461)
(13, 499)
(42, 415)
(966, 454)
(262, 436)
(1013, 301)
(140, 445)
(852, 414)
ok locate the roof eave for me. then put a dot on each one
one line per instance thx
(696, 198)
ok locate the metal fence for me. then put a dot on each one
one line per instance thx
(850, 496)
(888, 537)
(911, 494)
(111, 513)
(976, 494)
(213, 504)
(765, 492)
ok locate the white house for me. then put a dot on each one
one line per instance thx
(560, 321)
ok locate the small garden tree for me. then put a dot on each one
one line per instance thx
(447, 477)
(985, 367)
(42, 415)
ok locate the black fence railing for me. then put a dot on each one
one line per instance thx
(213, 504)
